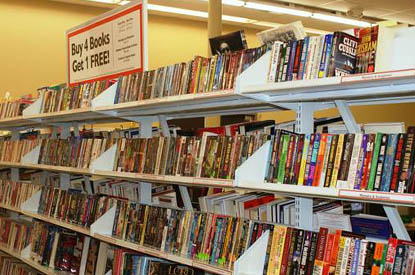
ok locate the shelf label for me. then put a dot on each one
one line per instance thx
(377, 196)
(377, 76)
(108, 46)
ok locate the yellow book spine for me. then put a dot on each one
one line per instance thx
(303, 160)
(282, 231)
(337, 161)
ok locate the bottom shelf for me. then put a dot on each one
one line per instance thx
(118, 242)
(159, 254)
(31, 263)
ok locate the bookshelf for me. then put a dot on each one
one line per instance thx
(250, 95)
(31, 263)
(101, 230)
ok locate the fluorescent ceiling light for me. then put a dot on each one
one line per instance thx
(276, 9)
(236, 3)
(341, 20)
(237, 19)
(202, 14)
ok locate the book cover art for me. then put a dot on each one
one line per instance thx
(366, 50)
(343, 54)
(230, 42)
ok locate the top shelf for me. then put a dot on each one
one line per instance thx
(361, 89)
(251, 95)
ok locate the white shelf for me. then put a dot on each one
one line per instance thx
(111, 240)
(386, 198)
(364, 89)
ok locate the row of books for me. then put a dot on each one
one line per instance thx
(220, 240)
(129, 262)
(12, 266)
(210, 156)
(73, 152)
(63, 98)
(253, 205)
(214, 239)
(73, 207)
(14, 150)
(56, 248)
(14, 233)
(199, 75)
(14, 108)
(14, 194)
(66, 251)
(379, 162)
(313, 57)
(296, 251)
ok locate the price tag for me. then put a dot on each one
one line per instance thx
(377, 196)
(377, 76)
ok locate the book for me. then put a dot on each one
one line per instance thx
(343, 54)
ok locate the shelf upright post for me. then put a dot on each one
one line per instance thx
(15, 172)
(304, 124)
(75, 126)
(146, 131)
(64, 178)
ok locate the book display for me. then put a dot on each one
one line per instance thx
(249, 198)
(212, 239)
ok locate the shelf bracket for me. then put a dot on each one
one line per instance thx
(347, 116)
(396, 222)
(14, 174)
(164, 126)
(65, 181)
(184, 193)
(304, 120)
(145, 193)
(304, 213)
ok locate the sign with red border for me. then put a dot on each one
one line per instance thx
(109, 46)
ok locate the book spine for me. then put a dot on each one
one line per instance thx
(304, 159)
(313, 160)
(374, 162)
(337, 161)
(388, 165)
(354, 161)
(320, 160)
(381, 161)
(361, 162)
(304, 57)
(397, 162)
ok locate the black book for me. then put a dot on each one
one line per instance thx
(343, 54)
(230, 42)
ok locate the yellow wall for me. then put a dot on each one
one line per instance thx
(33, 53)
(32, 50)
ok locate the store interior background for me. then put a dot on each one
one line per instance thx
(33, 52)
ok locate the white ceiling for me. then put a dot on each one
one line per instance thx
(373, 10)
(399, 10)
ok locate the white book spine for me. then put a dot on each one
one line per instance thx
(343, 270)
(310, 57)
(275, 56)
(362, 256)
(354, 161)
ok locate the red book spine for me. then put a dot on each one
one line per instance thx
(285, 252)
(328, 253)
(258, 201)
(390, 256)
(397, 162)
